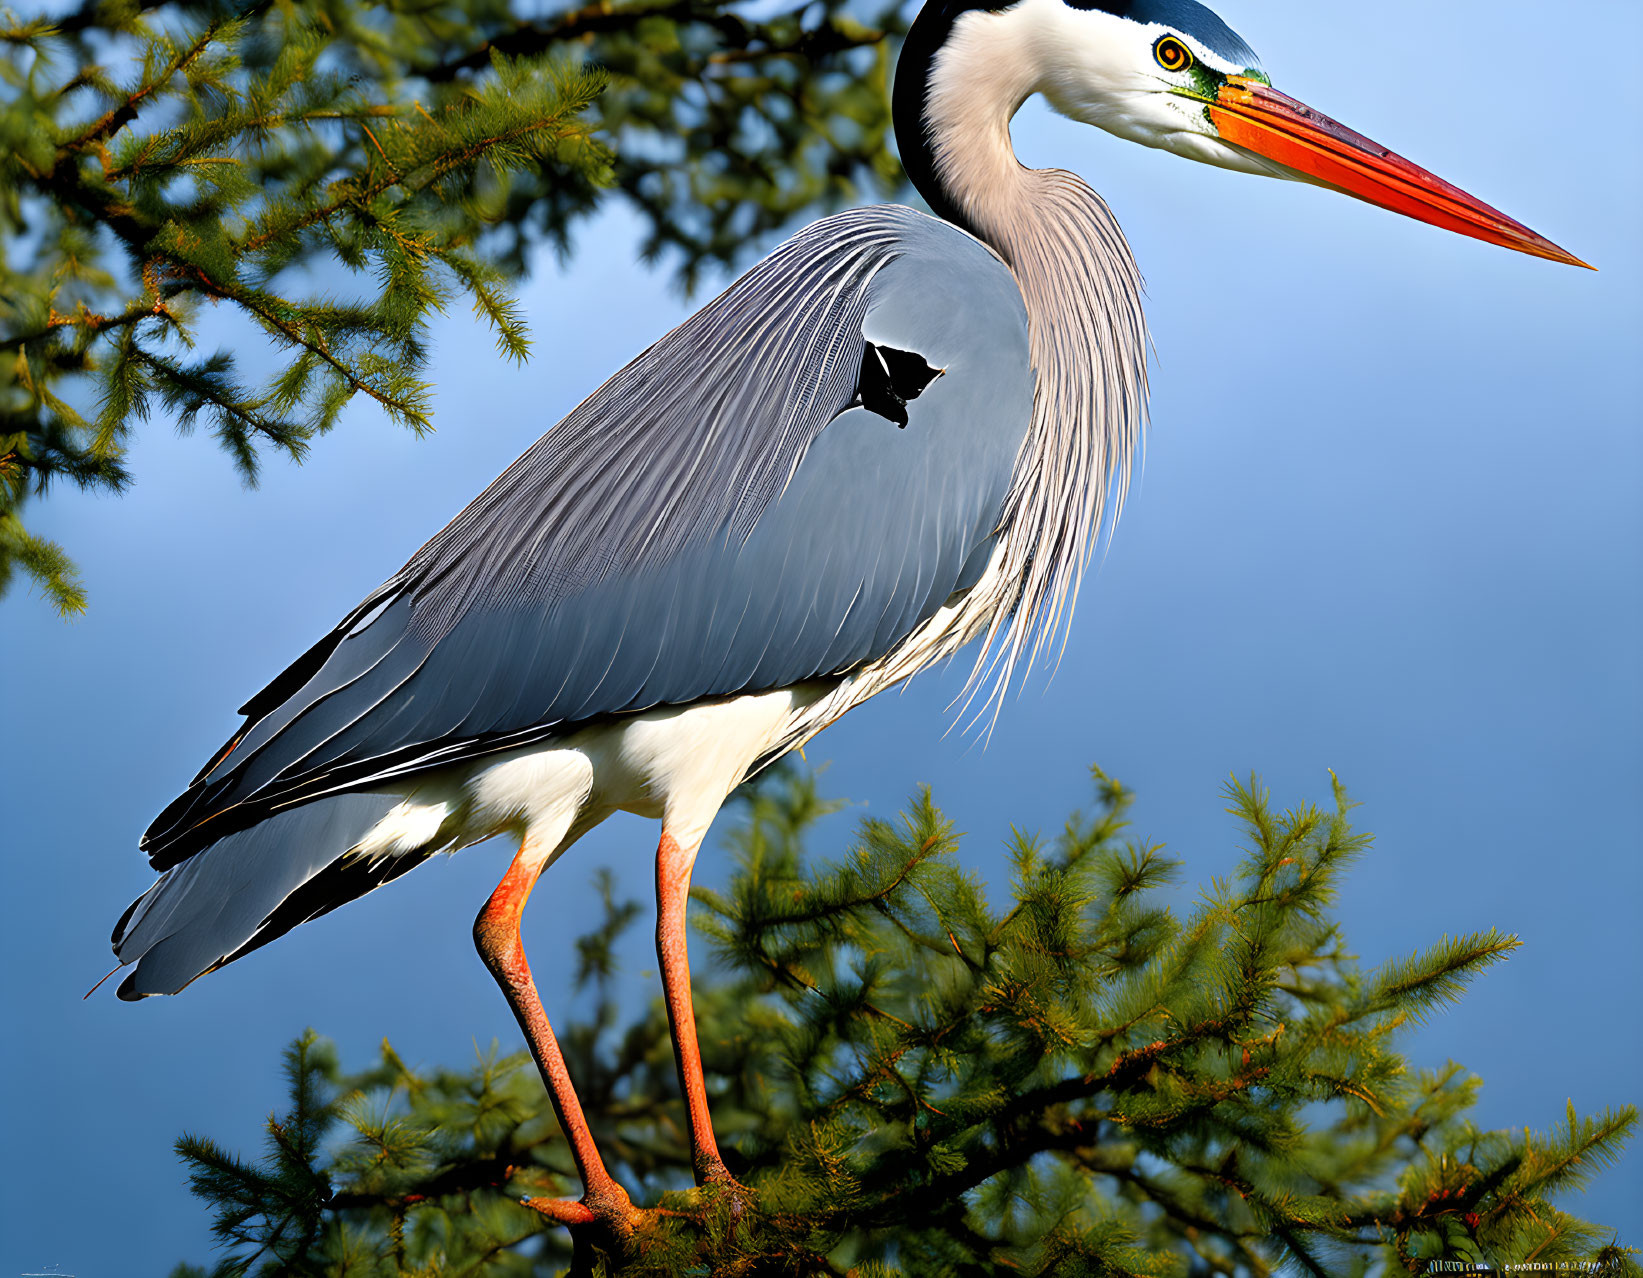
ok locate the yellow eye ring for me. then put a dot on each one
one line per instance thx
(1172, 55)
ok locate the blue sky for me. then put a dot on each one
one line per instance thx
(1390, 524)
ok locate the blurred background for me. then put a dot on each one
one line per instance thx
(1390, 523)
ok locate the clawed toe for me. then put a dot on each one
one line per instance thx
(607, 1210)
(562, 1211)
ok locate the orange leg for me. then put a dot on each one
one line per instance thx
(496, 935)
(673, 865)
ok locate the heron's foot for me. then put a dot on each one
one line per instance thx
(604, 1211)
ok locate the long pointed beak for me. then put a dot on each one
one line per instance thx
(1277, 127)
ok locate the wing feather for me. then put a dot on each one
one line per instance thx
(715, 518)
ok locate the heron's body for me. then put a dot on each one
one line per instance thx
(896, 435)
(501, 681)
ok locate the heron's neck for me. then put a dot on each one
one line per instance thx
(959, 83)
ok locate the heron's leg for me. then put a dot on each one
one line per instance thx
(496, 935)
(673, 865)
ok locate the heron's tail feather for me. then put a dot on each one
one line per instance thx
(250, 887)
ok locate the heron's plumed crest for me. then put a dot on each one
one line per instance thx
(1186, 16)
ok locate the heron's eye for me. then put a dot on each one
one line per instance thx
(1172, 55)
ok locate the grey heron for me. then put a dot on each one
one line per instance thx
(896, 435)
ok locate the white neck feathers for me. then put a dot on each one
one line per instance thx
(1087, 335)
(978, 81)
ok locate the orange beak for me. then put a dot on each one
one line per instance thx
(1277, 127)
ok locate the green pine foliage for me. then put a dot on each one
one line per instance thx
(917, 1075)
(339, 172)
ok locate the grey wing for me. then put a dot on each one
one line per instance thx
(724, 515)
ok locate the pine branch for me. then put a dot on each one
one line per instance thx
(117, 118)
(1420, 985)
(894, 1102)
(252, 152)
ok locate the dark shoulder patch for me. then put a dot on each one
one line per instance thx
(889, 379)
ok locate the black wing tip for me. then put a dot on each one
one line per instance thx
(118, 935)
(175, 835)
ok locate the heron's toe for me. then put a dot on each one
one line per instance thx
(605, 1209)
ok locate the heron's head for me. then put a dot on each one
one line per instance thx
(1144, 70)
(1171, 74)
